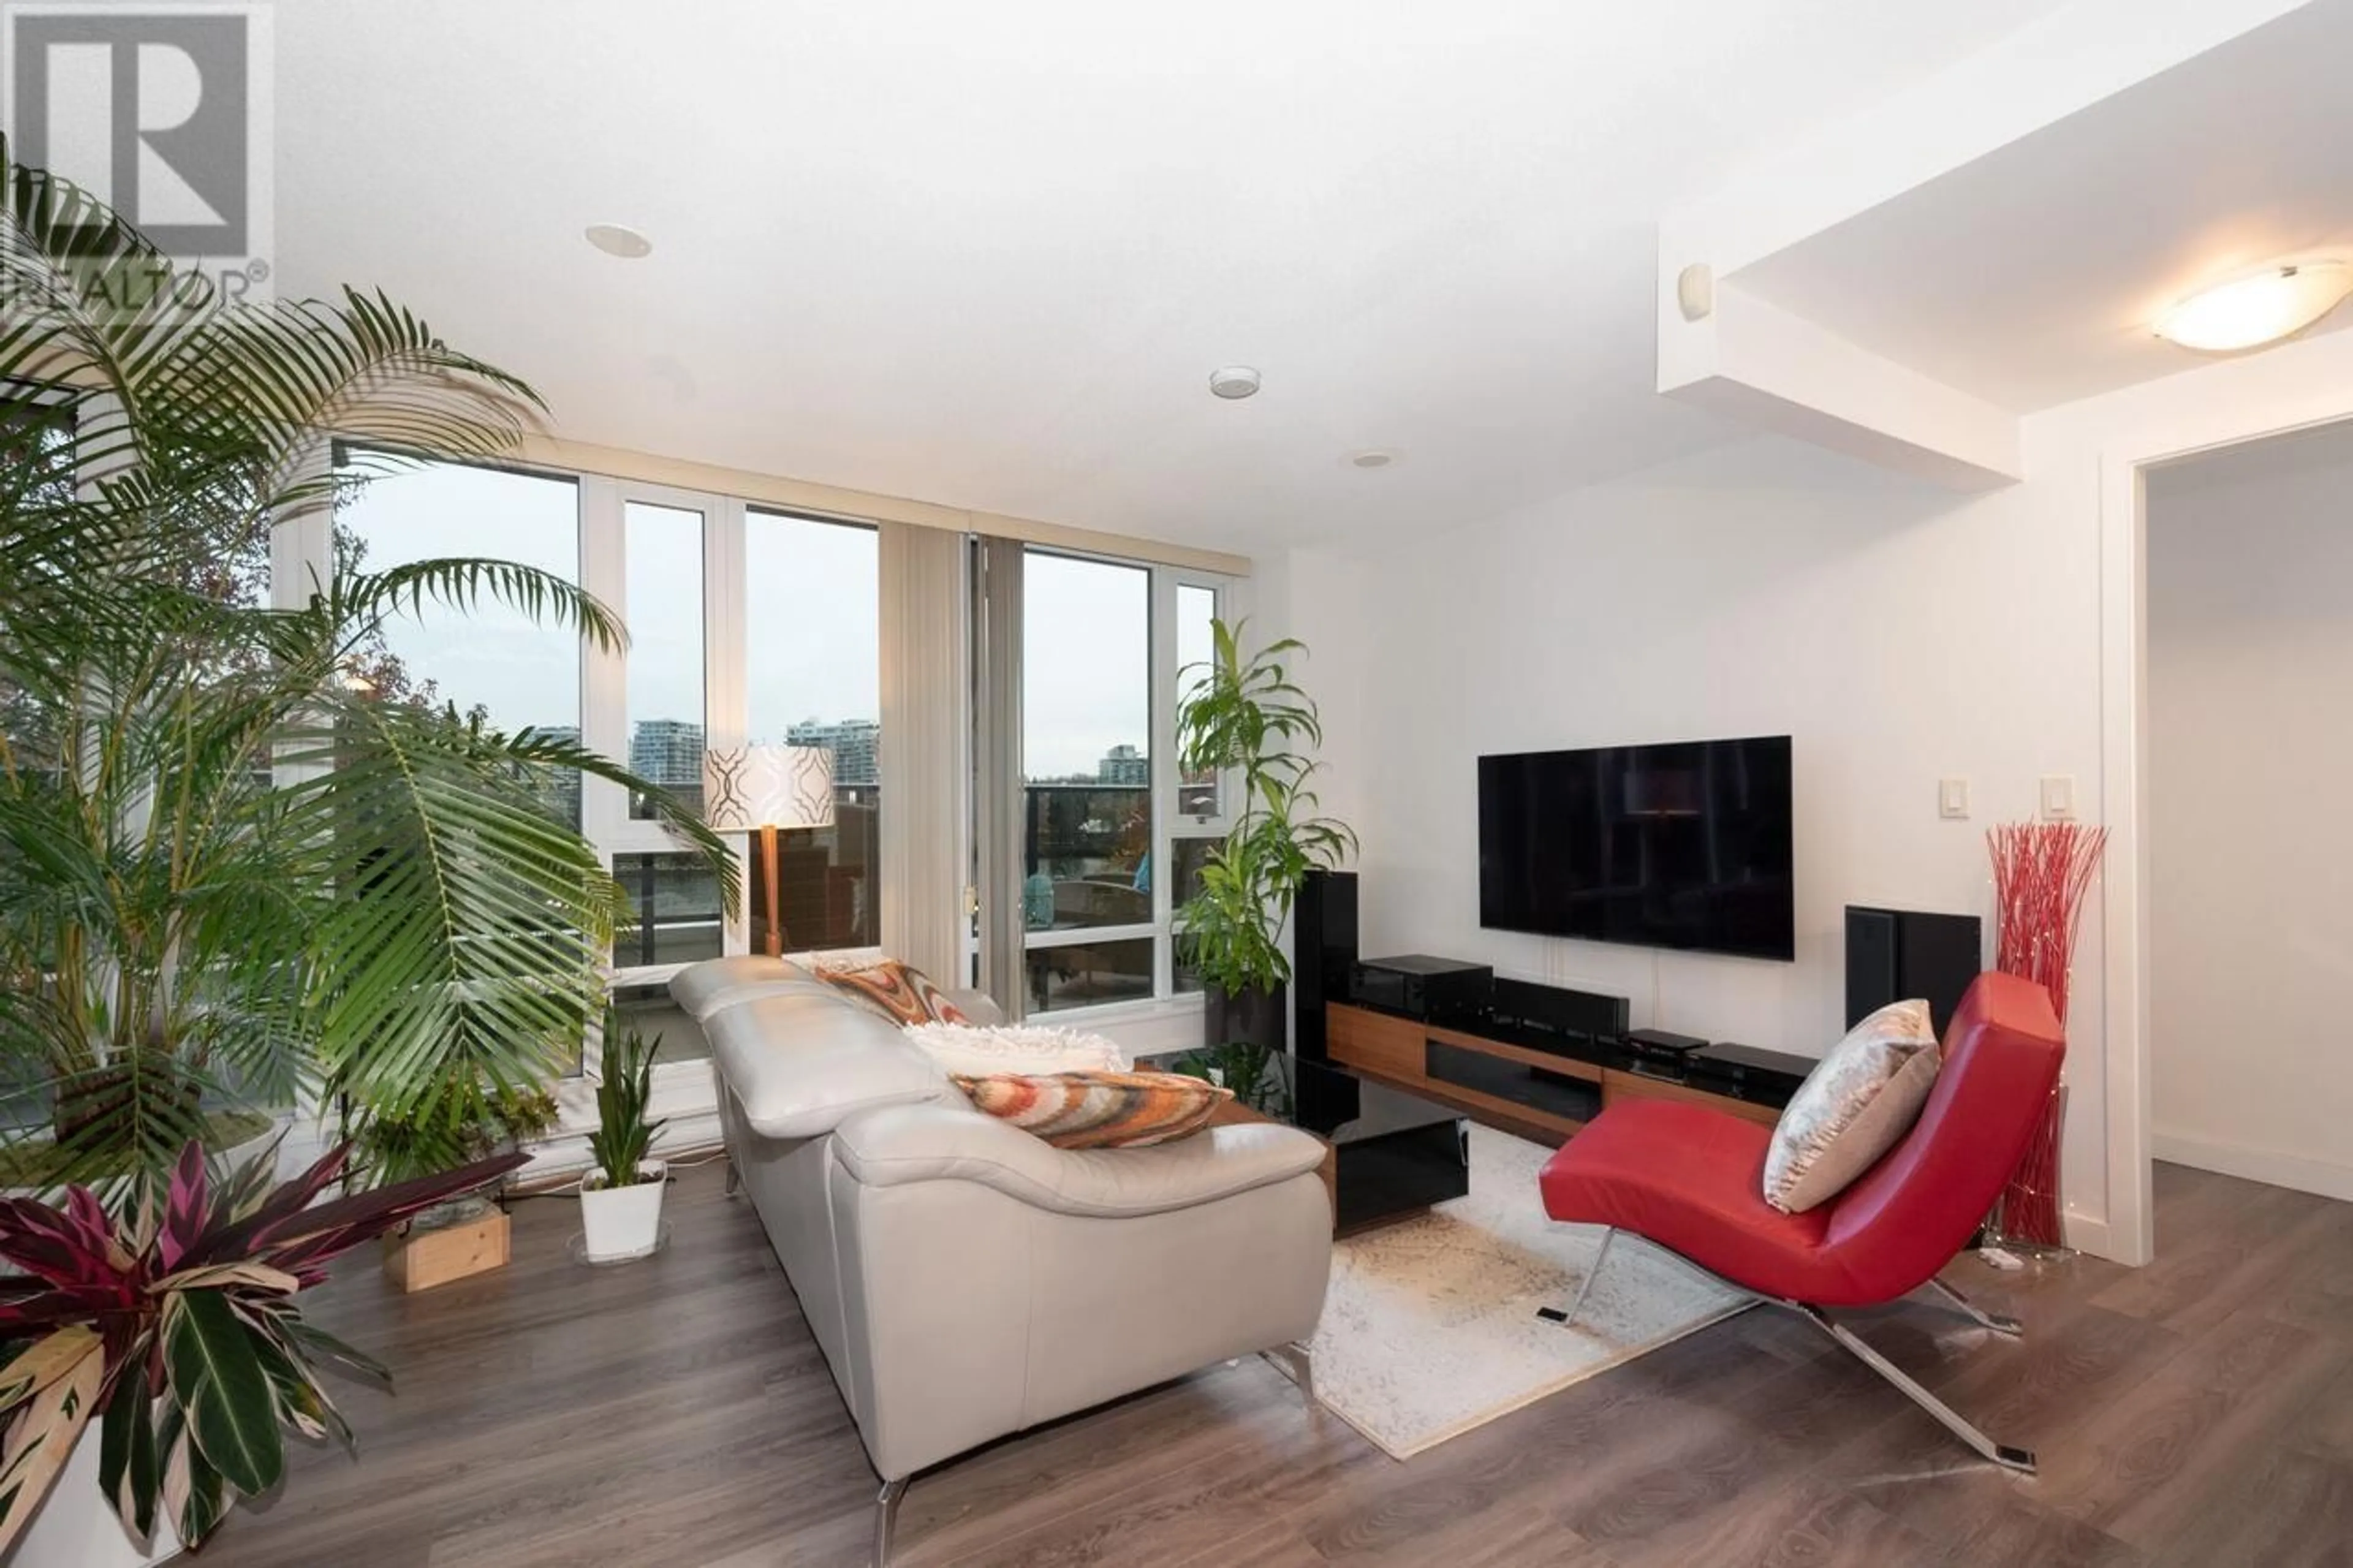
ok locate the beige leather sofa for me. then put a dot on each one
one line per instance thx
(964, 1279)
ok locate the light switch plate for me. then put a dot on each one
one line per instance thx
(2058, 797)
(1953, 799)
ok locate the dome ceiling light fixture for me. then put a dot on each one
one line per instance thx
(619, 239)
(1372, 458)
(2276, 303)
(1234, 383)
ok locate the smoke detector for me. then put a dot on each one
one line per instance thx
(1234, 383)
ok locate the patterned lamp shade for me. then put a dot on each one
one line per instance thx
(751, 787)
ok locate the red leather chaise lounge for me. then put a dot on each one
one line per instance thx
(1691, 1179)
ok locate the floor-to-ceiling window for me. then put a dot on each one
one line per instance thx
(491, 660)
(745, 623)
(752, 624)
(1112, 834)
(812, 677)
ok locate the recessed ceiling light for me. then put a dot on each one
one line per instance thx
(2259, 310)
(1234, 383)
(1373, 457)
(619, 239)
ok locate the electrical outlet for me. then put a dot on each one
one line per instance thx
(2058, 797)
(1953, 799)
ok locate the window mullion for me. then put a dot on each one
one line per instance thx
(725, 684)
(1163, 773)
(604, 671)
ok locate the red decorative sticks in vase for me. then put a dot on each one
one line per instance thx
(2040, 872)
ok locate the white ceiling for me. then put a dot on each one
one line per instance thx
(2032, 275)
(987, 254)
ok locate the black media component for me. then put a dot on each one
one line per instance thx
(1434, 990)
(1585, 1015)
(1681, 845)
(1662, 1045)
(1325, 941)
(1892, 955)
(1771, 1076)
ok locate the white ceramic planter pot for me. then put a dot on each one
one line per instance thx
(620, 1223)
(78, 1528)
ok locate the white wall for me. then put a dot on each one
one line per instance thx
(2251, 849)
(1900, 633)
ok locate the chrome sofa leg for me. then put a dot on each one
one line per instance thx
(886, 1519)
(2002, 1454)
(1297, 1365)
(2008, 1326)
(734, 1179)
(1552, 1314)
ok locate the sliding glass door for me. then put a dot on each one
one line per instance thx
(1112, 834)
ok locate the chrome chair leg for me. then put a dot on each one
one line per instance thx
(886, 1519)
(2001, 1323)
(2002, 1454)
(1553, 1315)
(734, 1179)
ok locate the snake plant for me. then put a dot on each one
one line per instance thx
(624, 1135)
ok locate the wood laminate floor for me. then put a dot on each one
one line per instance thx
(2198, 1412)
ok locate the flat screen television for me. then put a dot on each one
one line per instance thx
(1683, 846)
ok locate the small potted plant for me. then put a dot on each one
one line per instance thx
(468, 1236)
(621, 1199)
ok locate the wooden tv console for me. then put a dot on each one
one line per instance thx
(1399, 1051)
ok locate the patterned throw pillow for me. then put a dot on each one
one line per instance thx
(1857, 1104)
(1099, 1109)
(897, 991)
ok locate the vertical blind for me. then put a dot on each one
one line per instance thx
(925, 648)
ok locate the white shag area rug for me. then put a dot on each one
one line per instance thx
(1430, 1329)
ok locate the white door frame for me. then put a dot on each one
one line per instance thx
(2124, 771)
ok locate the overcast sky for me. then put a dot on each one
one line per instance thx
(811, 622)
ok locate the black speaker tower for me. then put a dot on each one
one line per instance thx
(1325, 942)
(1892, 955)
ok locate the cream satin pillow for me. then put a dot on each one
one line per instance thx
(1857, 1104)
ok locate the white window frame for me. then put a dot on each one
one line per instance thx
(1168, 826)
(304, 555)
(604, 820)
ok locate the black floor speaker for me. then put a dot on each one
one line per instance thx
(1324, 948)
(1892, 955)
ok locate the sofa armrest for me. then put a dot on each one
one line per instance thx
(899, 1145)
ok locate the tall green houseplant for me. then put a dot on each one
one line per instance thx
(1244, 720)
(230, 869)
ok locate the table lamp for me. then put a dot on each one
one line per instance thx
(767, 789)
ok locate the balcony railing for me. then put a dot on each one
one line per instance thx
(1086, 857)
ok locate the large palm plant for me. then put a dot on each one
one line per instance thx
(225, 866)
(1242, 716)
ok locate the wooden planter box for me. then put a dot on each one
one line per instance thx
(424, 1259)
